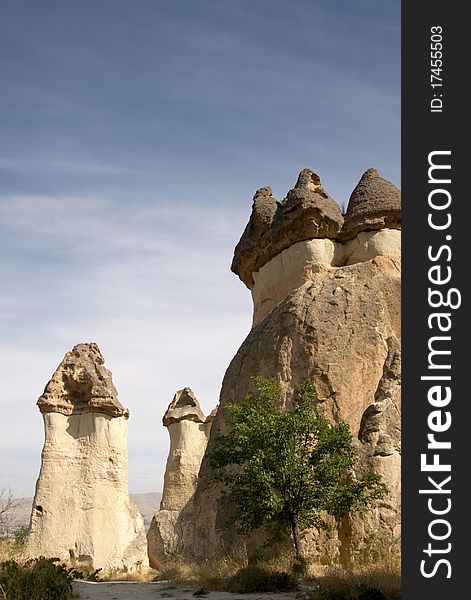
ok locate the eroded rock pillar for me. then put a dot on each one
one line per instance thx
(81, 510)
(189, 430)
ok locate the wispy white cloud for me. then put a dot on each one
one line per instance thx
(151, 286)
(68, 167)
(132, 142)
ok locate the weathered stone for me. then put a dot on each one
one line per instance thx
(189, 431)
(307, 212)
(212, 415)
(333, 329)
(290, 268)
(375, 204)
(287, 271)
(184, 406)
(81, 510)
(379, 449)
(82, 383)
(326, 307)
(254, 246)
(368, 245)
(380, 425)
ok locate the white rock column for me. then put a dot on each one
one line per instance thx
(189, 432)
(81, 510)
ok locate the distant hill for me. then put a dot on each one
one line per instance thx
(147, 503)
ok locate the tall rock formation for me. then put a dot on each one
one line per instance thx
(81, 510)
(326, 294)
(189, 431)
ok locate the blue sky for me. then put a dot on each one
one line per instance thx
(133, 136)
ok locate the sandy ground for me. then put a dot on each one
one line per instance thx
(127, 590)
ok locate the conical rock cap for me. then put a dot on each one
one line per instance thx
(375, 203)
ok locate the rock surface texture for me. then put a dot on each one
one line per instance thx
(282, 239)
(374, 204)
(189, 430)
(327, 307)
(306, 213)
(81, 509)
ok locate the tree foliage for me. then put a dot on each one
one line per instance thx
(289, 467)
(40, 579)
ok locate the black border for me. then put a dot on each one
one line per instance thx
(423, 132)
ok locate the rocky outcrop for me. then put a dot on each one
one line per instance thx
(328, 314)
(189, 432)
(379, 449)
(82, 383)
(282, 239)
(306, 213)
(184, 407)
(375, 204)
(380, 426)
(81, 510)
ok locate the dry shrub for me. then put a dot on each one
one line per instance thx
(218, 574)
(12, 549)
(7, 549)
(228, 574)
(376, 574)
(341, 583)
(382, 548)
(255, 578)
(277, 554)
(212, 574)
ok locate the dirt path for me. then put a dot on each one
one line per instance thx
(127, 590)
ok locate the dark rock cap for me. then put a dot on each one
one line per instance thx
(307, 212)
(254, 245)
(375, 204)
(81, 384)
(184, 406)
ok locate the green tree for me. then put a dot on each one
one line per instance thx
(289, 468)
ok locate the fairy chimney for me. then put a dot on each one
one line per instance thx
(189, 431)
(81, 510)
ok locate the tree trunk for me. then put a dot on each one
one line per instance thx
(296, 537)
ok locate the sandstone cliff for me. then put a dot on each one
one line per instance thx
(81, 509)
(326, 293)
